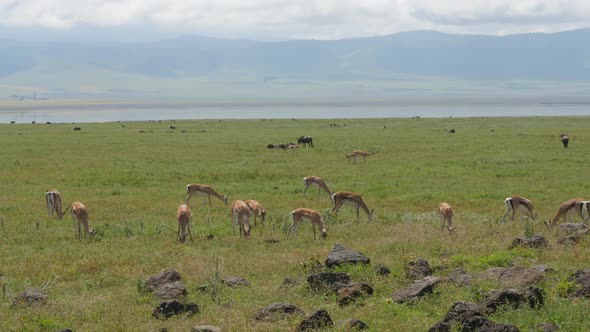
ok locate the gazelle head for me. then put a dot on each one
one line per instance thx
(225, 198)
(324, 233)
(263, 214)
(370, 216)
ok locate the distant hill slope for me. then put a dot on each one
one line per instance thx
(90, 69)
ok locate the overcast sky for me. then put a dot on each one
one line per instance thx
(282, 19)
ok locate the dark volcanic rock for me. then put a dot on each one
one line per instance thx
(352, 324)
(171, 308)
(290, 283)
(418, 269)
(236, 282)
(159, 280)
(571, 228)
(29, 297)
(277, 310)
(171, 291)
(547, 327)
(341, 255)
(320, 319)
(532, 296)
(535, 241)
(514, 276)
(460, 278)
(469, 317)
(382, 270)
(569, 240)
(350, 293)
(325, 281)
(166, 285)
(416, 290)
(582, 279)
(206, 328)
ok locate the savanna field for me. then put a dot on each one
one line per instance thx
(132, 184)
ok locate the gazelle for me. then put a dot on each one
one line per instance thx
(53, 200)
(317, 181)
(184, 216)
(203, 190)
(241, 214)
(257, 210)
(514, 202)
(80, 217)
(446, 213)
(574, 205)
(316, 219)
(350, 198)
(357, 153)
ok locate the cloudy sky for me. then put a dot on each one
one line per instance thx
(282, 19)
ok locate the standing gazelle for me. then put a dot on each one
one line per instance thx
(241, 214)
(317, 181)
(184, 216)
(80, 217)
(514, 202)
(316, 219)
(350, 198)
(257, 210)
(53, 200)
(203, 190)
(446, 213)
(574, 205)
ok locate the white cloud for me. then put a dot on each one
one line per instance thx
(303, 19)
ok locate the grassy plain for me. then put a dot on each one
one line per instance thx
(133, 182)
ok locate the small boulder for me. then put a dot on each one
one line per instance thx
(289, 283)
(582, 279)
(418, 269)
(325, 281)
(277, 311)
(236, 282)
(547, 327)
(382, 270)
(159, 280)
(460, 278)
(30, 297)
(319, 320)
(535, 241)
(172, 308)
(416, 290)
(171, 291)
(341, 255)
(350, 293)
(467, 316)
(532, 296)
(206, 328)
(571, 228)
(352, 324)
(569, 240)
(513, 276)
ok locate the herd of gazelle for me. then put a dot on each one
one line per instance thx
(242, 211)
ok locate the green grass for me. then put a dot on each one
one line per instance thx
(132, 184)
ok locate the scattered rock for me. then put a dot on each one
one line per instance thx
(30, 297)
(341, 255)
(206, 328)
(569, 240)
(514, 276)
(571, 228)
(418, 269)
(532, 296)
(277, 311)
(416, 290)
(382, 270)
(171, 308)
(535, 241)
(547, 327)
(467, 316)
(582, 279)
(320, 319)
(171, 291)
(166, 285)
(460, 278)
(542, 268)
(289, 283)
(352, 324)
(350, 293)
(325, 281)
(236, 282)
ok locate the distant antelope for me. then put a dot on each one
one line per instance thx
(514, 202)
(184, 216)
(356, 154)
(316, 219)
(203, 190)
(574, 205)
(53, 200)
(317, 181)
(350, 198)
(241, 214)
(80, 217)
(446, 213)
(257, 210)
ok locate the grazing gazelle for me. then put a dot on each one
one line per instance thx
(241, 214)
(317, 181)
(184, 215)
(357, 153)
(514, 202)
(53, 200)
(316, 219)
(203, 190)
(80, 217)
(257, 210)
(576, 205)
(446, 213)
(350, 198)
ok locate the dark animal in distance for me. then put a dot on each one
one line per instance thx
(305, 140)
(565, 139)
(77, 129)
